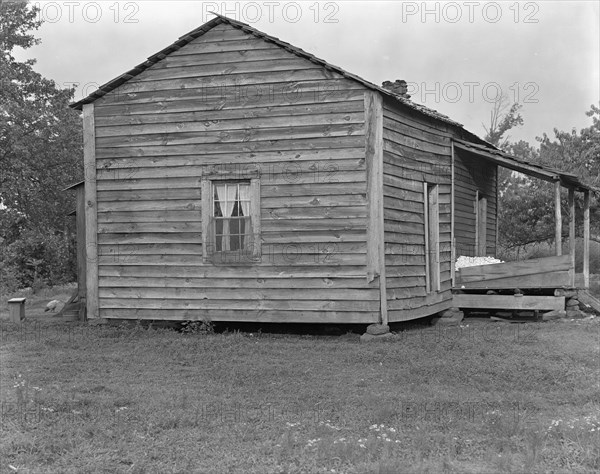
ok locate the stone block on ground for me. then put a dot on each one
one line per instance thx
(575, 313)
(451, 313)
(377, 329)
(556, 314)
(453, 321)
(572, 302)
(366, 337)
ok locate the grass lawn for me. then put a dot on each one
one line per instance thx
(486, 397)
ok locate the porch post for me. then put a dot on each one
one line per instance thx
(452, 238)
(572, 233)
(558, 219)
(586, 239)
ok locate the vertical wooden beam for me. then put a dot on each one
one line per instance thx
(496, 194)
(256, 222)
(572, 233)
(91, 211)
(81, 256)
(452, 240)
(434, 236)
(375, 229)
(426, 234)
(207, 242)
(557, 219)
(477, 236)
(482, 226)
(586, 239)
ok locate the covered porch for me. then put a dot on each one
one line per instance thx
(535, 284)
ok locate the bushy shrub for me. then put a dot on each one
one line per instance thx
(38, 259)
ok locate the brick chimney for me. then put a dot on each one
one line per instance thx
(399, 87)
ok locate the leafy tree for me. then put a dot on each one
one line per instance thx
(527, 205)
(578, 153)
(40, 142)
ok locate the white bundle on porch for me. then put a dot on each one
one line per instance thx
(462, 261)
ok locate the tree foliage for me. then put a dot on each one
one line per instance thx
(40, 143)
(527, 205)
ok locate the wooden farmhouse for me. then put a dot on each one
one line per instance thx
(235, 177)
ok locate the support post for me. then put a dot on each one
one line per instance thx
(427, 249)
(586, 239)
(452, 240)
(572, 234)
(373, 103)
(558, 219)
(496, 194)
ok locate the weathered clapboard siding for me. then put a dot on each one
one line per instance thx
(415, 151)
(229, 102)
(473, 175)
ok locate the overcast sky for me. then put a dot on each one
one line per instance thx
(456, 56)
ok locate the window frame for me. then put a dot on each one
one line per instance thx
(230, 257)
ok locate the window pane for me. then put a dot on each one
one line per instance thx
(234, 231)
(217, 206)
(218, 226)
(236, 209)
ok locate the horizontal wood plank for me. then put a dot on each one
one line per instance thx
(254, 315)
(509, 302)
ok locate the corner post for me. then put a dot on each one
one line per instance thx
(557, 219)
(586, 239)
(91, 211)
(572, 234)
(375, 228)
(452, 239)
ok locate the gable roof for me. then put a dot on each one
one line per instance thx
(194, 34)
(483, 149)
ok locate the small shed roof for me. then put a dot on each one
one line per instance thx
(506, 160)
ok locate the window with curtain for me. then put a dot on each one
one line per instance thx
(231, 220)
(231, 216)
